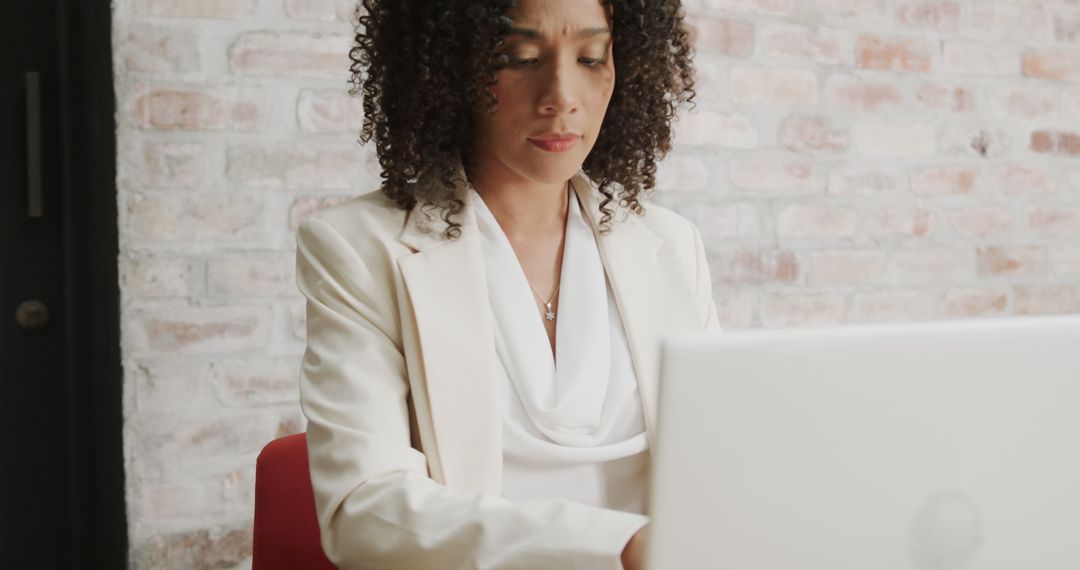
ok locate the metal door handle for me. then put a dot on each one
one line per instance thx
(33, 144)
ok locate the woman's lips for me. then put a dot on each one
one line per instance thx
(560, 144)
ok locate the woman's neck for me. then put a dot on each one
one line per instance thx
(523, 208)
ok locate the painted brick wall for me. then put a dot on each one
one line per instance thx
(848, 161)
(884, 160)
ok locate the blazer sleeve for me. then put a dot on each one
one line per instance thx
(377, 507)
(703, 287)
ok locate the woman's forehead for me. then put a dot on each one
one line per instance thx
(559, 17)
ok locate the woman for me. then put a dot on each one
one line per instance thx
(441, 432)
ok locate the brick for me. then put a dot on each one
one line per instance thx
(894, 53)
(167, 107)
(749, 267)
(189, 499)
(333, 111)
(201, 330)
(730, 221)
(977, 58)
(1026, 102)
(294, 165)
(932, 266)
(1067, 28)
(813, 133)
(1065, 260)
(710, 84)
(161, 275)
(1020, 179)
(166, 386)
(969, 302)
(894, 139)
(347, 11)
(195, 8)
(216, 548)
(816, 221)
(899, 222)
(791, 309)
(773, 85)
(946, 97)
(851, 180)
(767, 7)
(324, 10)
(304, 206)
(776, 175)
(296, 320)
(939, 15)
(982, 221)
(253, 275)
(1013, 261)
(174, 164)
(192, 446)
(1046, 299)
(1061, 143)
(709, 128)
(736, 309)
(846, 267)
(290, 54)
(976, 140)
(856, 11)
(848, 92)
(721, 35)
(1055, 220)
(824, 46)
(1011, 22)
(160, 49)
(1070, 101)
(214, 217)
(263, 380)
(179, 108)
(683, 173)
(1052, 63)
(238, 488)
(894, 306)
(945, 181)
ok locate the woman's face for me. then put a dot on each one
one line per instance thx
(552, 95)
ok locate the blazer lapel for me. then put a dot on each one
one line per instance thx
(653, 299)
(446, 284)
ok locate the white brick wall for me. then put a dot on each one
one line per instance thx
(849, 161)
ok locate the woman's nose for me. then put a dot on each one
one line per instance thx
(558, 89)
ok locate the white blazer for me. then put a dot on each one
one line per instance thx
(398, 384)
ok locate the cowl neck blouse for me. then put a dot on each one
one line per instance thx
(573, 425)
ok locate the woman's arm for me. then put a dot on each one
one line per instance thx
(377, 507)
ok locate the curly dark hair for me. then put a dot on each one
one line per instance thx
(421, 67)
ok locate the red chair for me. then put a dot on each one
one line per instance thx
(286, 527)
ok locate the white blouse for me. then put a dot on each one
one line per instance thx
(573, 425)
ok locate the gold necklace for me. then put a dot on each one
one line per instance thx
(550, 314)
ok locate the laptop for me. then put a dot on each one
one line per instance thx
(939, 446)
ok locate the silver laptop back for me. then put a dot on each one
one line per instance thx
(938, 446)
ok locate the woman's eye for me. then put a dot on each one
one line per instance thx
(518, 61)
(512, 61)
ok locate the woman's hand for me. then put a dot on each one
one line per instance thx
(633, 555)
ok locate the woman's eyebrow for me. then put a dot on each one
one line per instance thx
(536, 35)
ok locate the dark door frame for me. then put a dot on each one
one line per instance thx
(98, 535)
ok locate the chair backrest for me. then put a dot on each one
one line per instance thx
(286, 527)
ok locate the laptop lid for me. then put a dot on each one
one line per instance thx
(940, 446)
